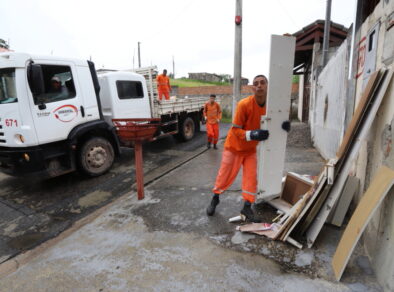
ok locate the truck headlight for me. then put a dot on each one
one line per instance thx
(19, 138)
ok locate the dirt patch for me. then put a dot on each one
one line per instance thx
(93, 199)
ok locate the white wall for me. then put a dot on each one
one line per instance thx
(330, 104)
(378, 150)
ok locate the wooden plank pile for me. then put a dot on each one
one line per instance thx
(303, 216)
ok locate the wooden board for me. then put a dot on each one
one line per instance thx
(340, 209)
(281, 205)
(362, 104)
(377, 191)
(351, 133)
(271, 152)
(336, 189)
(318, 189)
(314, 210)
(294, 189)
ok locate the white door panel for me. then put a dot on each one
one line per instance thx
(56, 114)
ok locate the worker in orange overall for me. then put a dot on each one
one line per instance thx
(163, 85)
(240, 148)
(212, 115)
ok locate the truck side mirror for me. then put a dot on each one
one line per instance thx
(36, 79)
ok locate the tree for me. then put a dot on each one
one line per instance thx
(3, 44)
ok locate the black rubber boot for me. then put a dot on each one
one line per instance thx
(214, 147)
(249, 214)
(212, 206)
(208, 145)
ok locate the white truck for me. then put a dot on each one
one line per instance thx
(52, 130)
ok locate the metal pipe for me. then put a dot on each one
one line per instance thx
(326, 39)
(139, 55)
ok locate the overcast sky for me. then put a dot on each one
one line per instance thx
(198, 33)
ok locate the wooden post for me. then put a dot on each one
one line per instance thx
(139, 171)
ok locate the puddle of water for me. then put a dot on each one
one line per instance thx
(93, 199)
(25, 241)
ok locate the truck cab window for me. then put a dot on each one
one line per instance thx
(58, 83)
(129, 89)
(7, 86)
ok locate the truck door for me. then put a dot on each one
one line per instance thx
(60, 108)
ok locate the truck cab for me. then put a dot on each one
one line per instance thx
(124, 94)
(56, 114)
(49, 108)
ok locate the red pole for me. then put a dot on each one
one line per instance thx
(139, 171)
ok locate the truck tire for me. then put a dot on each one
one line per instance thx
(187, 129)
(96, 156)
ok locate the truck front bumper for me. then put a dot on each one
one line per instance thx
(21, 161)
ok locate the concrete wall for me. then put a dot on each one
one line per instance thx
(314, 102)
(223, 93)
(379, 236)
(329, 102)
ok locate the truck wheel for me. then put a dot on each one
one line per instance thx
(96, 156)
(186, 129)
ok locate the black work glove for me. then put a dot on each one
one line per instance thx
(259, 135)
(286, 126)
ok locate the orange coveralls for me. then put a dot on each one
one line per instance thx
(213, 113)
(238, 151)
(163, 86)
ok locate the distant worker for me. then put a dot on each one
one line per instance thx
(240, 148)
(213, 115)
(163, 85)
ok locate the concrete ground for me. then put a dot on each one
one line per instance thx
(166, 242)
(34, 210)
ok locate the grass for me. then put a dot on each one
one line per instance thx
(185, 82)
(226, 120)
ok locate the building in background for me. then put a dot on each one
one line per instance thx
(4, 47)
(308, 57)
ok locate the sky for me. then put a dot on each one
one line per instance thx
(198, 34)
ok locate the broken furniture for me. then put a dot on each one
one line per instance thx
(307, 213)
(132, 133)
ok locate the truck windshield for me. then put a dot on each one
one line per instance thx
(7, 86)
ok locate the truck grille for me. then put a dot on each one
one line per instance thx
(2, 140)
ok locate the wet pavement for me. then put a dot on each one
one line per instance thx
(33, 210)
(167, 243)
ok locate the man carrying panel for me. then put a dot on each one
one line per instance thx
(163, 85)
(213, 115)
(240, 148)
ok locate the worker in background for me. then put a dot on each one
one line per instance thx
(212, 115)
(240, 148)
(163, 85)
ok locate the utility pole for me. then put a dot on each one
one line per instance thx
(173, 67)
(237, 55)
(139, 55)
(326, 39)
(133, 59)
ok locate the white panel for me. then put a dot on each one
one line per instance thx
(272, 152)
(371, 49)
